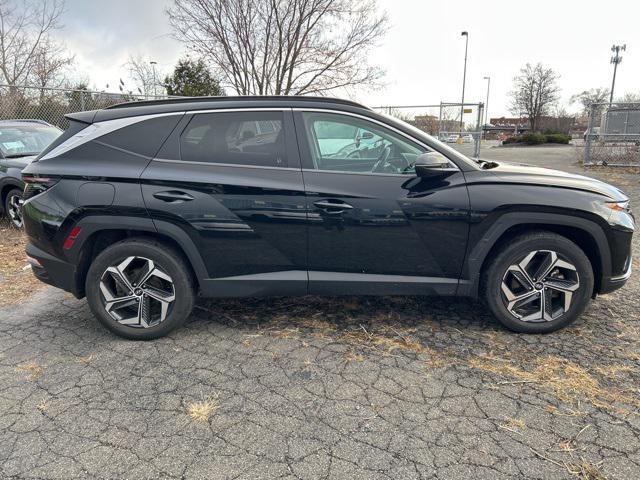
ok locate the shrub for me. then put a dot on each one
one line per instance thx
(534, 138)
(512, 139)
(558, 138)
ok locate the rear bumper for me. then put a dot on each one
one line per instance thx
(53, 271)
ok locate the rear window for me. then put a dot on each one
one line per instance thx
(239, 138)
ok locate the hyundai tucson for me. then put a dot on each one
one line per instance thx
(143, 207)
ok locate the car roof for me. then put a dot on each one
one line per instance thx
(22, 121)
(186, 104)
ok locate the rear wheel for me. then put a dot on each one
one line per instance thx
(539, 283)
(13, 207)
(140, 289)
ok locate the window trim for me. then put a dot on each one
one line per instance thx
(300, 111)
(287, 124)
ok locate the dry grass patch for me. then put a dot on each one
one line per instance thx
(514, 425)
(568, 381)
(202, 410)
(43, 406)
(586, 470)
(16, 281)
(34, 369)
(614, 370)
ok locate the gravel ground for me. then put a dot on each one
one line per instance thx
(324, 388)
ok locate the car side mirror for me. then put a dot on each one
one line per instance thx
(430, 163)
(366, 135)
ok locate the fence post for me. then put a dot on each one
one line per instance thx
(587, 142)
(476, 148)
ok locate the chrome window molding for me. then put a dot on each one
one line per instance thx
(99, 129)
(218, 164)
(455, 167)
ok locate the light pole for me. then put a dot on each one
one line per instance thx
(464, 79)
(155, 81)
(616, 59)
(486, 106)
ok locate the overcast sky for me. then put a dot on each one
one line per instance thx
(423, 52)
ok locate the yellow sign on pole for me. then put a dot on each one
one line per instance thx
(468, 110)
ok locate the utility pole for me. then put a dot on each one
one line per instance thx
(616, 59)
(464, 79)
(486, 106)
(155, 79)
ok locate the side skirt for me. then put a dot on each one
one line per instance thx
(299, 282)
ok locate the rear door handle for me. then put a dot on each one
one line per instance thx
(173, 196)
(333, 206)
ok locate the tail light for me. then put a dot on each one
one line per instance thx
(71, 238)
(36, 184)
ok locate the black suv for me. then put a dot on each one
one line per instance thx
(20, 142)
(142, 206)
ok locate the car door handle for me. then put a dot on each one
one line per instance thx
(173, 196)
(333, 206)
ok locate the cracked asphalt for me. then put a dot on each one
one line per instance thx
(313, 387)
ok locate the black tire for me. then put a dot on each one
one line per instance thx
(515, 251)
(15, 219)
(168, 261)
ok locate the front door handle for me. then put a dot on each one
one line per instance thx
(333, 206)
(173, 196)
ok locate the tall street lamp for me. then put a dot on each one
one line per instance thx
(464, 79)
(486, 105)
(616, 59)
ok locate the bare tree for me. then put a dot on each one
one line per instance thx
(24, 29)
(630, 97)
(283, 47)
(535, 91)
(144, 76)
(50, 62)
(587, 98)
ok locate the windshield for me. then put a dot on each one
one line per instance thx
(23, 140)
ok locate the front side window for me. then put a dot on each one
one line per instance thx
(344, 143)
(238, 138)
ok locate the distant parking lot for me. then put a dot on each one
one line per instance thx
(316, 387)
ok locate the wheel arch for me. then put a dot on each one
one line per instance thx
(99, 233)
(587, 234)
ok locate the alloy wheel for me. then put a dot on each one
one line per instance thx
(137, 293)
(15, 210)
(540, 287)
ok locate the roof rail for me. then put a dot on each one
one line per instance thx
(233, 98)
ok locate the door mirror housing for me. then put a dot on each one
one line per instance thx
(431, 163)
(366, 135)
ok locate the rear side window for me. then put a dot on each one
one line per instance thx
(238, 138)
(144, 138)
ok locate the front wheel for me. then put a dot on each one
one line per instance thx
(140, 289)
(13, 207)
(539, 283)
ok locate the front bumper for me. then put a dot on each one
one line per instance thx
(609, 284)
(53, 271)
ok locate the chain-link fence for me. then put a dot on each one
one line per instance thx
(52, 104)
(454, 123)
(613, 135)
